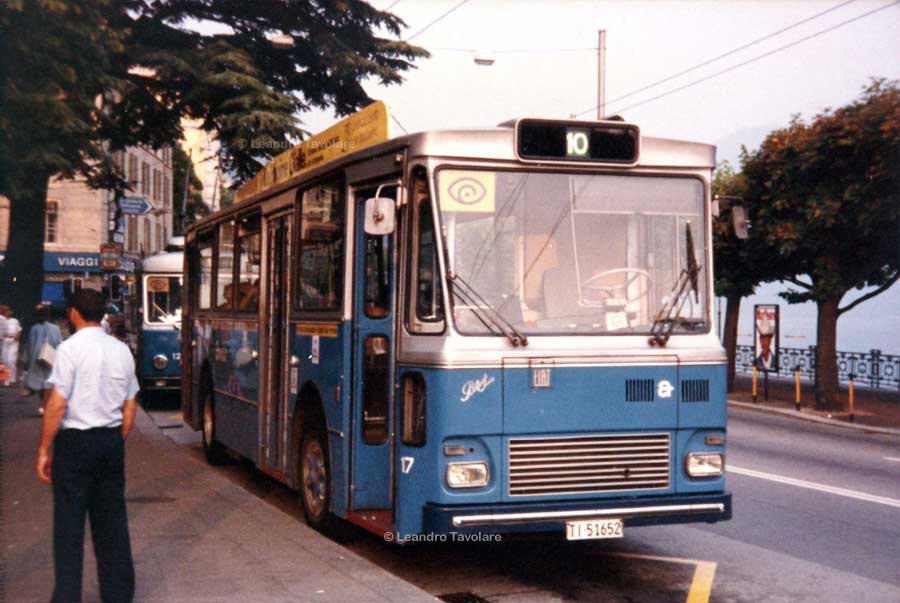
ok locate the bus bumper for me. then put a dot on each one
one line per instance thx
(157, 383)
(552, 517)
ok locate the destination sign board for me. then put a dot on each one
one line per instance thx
(358, 131)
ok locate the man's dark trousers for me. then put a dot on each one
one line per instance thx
(88, 473)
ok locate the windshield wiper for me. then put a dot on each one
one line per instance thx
(484, 311)
(670, 314)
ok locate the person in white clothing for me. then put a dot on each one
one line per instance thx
(2, 330)
(11, 346)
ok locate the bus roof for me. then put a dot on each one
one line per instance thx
(164, 262)
(365, 135)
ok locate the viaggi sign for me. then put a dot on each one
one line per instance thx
(81, 262)
(71, 262)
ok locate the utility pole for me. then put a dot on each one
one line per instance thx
(601, 74)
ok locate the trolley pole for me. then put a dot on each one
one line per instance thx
(601, 74)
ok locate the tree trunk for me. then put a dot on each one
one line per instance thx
(22, 272)
(827, 386)
(729, 334)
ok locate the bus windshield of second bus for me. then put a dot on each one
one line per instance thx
(162, 303)
(556, 253)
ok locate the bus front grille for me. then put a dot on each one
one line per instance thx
(588, 464)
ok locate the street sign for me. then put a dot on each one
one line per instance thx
(134, 206)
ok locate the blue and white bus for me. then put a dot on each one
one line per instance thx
(159, 340)
(467, 332)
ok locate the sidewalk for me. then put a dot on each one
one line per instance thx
(874, 410)
(196, 536)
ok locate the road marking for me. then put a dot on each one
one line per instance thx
(891, 458)
(704, 574)
(881, 500)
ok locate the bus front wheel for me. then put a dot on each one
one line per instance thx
(315, 480)
(215, 454)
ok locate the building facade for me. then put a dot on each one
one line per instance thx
(79, 220)
(203, 150)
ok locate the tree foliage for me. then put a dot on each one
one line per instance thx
(80, 79)
(827, 197)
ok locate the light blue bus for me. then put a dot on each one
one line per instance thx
(467, 333)
(159, 340)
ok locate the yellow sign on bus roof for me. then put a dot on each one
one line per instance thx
(362, 129)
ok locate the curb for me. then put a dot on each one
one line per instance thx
(812, 418)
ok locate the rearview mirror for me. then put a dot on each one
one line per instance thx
(739, 221)
(379, 216)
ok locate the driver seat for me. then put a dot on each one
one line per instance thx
(560, 294)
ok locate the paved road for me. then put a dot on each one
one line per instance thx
(817, 518)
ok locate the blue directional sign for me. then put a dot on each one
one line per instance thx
(134, 206)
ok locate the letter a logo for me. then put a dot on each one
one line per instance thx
(664, 390)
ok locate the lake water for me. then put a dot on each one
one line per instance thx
(872, 325)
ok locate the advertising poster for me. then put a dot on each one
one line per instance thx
(765, 337)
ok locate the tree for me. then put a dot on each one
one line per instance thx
(740, 264)
(732, 278)
(192, 199)
(84, 78)
(828, 198)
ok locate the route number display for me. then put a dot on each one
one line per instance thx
(577, 143)
(594, 529)
(568, 141)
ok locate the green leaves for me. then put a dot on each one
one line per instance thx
(153, 70)
(826, 194)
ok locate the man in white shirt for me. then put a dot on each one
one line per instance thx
(88, 415)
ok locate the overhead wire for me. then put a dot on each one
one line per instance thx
(718, 57)
(759, 57)
(436, 20)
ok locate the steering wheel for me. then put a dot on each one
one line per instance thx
(626, 289)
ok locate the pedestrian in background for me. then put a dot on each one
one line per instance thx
(11, 346)
(2, 330)
(89, 413)
(38, 370)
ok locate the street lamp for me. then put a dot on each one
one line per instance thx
(484, 59)
(281, 41)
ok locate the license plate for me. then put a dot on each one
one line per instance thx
(592, 529)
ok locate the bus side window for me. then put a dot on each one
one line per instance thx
(376, 389)
(377, 274)
(225, 267)
(248, 246)
(321, 255)
(201, 261)
(425, 292)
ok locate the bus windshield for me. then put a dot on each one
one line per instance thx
(162, 299)
(556, 253)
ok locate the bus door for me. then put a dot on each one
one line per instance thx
(274, 428)
(373, 361)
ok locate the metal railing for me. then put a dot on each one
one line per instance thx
(873, 369)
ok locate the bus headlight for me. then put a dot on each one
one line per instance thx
(467, 475)
(160, 362)
(705, 464)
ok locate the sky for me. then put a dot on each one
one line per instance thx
(546, 63)
(811, 55)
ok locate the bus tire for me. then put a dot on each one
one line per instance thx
(214, 451)
(315, 480)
